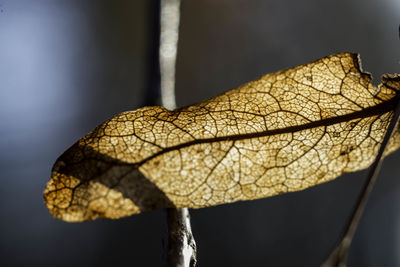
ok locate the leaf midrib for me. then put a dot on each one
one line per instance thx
(378, 109)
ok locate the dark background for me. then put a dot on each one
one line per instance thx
(67, 65)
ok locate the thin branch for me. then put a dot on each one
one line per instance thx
(338, 257)
(169, 33)
(181, 246)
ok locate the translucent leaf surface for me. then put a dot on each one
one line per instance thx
(284, 132)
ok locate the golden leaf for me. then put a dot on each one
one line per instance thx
(284, 132)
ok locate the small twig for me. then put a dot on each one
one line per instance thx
(180, 246)
(338, 256)
(169, 33)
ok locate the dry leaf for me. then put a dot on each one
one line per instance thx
(284, 132)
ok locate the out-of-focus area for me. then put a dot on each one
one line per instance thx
(68, 65)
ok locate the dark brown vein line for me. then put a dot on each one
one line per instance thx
(378, 109)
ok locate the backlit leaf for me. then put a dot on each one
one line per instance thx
(284, 132)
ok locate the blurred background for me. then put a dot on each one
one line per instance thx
(68, 65)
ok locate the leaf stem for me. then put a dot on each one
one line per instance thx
(338, 257)
(180, 245)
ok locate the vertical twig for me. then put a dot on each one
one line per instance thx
(181, 246)
(169, 32)
(338, 257)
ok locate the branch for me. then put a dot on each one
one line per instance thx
(169, 33)
(181, 246)
(338, 256)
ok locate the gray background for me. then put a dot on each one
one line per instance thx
(67, 65)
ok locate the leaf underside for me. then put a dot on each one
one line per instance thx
(284, 132)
